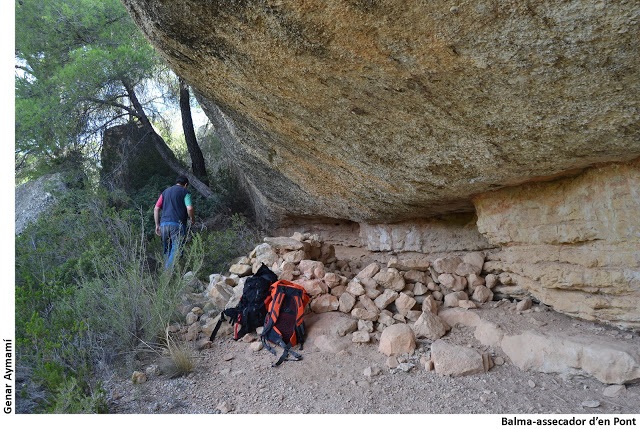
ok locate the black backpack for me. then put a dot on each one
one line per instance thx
(251, 311)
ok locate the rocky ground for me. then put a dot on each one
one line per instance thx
(236, 378)
(231, 377)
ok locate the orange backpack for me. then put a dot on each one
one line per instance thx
(284, 324)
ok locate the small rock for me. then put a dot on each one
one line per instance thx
(614, 390)
(406, 366)
(153, 370)
(591, 404)
(138, 377)
(490, 280)
(191, 318)
(531, 383)
(228, 357)
(203, 344)
(347, 326)
(392, 362)
(225, 407)
(525, 304)
(249, 338)
(372, 371)
(360, 337)
(427, 363)
(465, 303)
(256, 346)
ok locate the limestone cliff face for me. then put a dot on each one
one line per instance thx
(383, 111)
(516, 119)
(573, 243)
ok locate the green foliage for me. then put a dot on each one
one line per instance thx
(88, 287)
(229, 197)
(224, 245)
(73, 57)
(171, 283)
(144, 199)
(72, 398)
(87, 293)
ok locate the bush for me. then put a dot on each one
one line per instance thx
(71, 398)
(85, 294)
(88, 293)
(224, 245)
(128, 304)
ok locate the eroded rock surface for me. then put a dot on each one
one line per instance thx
(382, 112)
(35, 198)
(399, 117)
(573, 243)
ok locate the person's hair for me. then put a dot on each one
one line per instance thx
(182, 180)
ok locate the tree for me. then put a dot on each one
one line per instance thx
(197, 159)
(83, 66)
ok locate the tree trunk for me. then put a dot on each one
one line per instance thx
(197, 159)
(161, 146)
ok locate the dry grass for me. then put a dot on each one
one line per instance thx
(181, 355)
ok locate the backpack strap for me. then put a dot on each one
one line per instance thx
(300, 334)
(215, 330)
(266, 345)
(234, 318)
(285, 356)
(285, 352)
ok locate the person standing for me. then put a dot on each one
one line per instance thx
(171, 213)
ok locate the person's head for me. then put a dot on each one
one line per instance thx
(182, 181)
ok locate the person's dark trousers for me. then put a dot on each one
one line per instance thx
(173, 237)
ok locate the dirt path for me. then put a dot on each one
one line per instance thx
(232, 378)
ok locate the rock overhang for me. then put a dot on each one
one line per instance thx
(380, 112)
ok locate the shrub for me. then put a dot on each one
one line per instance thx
(88, 292)
(85, 294)
(72, 398)
(223, 245)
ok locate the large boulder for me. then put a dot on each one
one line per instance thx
(129, 158)
(36, 197)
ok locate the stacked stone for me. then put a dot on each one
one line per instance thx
(395, 304)
(405, 290)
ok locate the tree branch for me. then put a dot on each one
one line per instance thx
(161, 146)
(130, 110)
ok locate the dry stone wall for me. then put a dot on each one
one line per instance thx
(377, 297)
(451, 233)
(407, 302)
